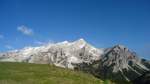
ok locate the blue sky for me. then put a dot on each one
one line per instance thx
(103, 23)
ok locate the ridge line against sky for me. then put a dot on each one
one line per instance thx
(102, 23)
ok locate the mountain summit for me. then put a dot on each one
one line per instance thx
(122, 62)
(80, 55)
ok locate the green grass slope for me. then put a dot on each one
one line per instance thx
(24, 73)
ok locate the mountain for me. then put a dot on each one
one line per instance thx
(117, 63)
(64, 54)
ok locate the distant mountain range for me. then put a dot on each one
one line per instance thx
(117, 63)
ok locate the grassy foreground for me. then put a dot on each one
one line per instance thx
(24, 73)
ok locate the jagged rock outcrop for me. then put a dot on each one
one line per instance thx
(120, 61)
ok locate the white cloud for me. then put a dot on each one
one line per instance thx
(25, 30)
(1, 36)
(8, 47)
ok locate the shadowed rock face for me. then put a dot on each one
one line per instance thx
(144, 79)
(116, 63)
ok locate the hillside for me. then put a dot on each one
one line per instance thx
(24, 73)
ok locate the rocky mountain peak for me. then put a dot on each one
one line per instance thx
(80, 41)
(119, 59)
(61, 54)
(120, 47)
